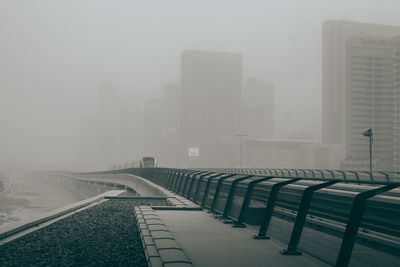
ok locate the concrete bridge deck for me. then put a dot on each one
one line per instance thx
(209, 242)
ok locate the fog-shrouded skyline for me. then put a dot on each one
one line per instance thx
(55, 55)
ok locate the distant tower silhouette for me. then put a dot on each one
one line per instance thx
(211, 87)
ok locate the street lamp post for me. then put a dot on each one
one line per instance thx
(368, 133)
(241, 148)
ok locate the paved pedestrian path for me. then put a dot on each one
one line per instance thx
(209, 242)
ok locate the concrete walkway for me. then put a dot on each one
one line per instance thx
(208, 242)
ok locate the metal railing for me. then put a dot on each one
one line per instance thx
(374, 176)
(252, 196)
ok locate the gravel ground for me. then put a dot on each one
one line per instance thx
(104, 235)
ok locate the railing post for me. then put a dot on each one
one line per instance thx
(166, 176)
(198, 185)
(269, 208)
(219, 184)
(246, 200)
(301, 217)
(163, 176)
(178, 180)
(183, 180)
(193, 174)
(193, 179)
(354, 221)
(232, 190)
(203, 202)
(171, 179)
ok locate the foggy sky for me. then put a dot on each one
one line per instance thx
(54, 55)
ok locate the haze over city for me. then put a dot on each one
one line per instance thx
(56, 56)
(200, 133)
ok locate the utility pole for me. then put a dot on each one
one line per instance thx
(241, 148)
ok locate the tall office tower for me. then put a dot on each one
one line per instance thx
(257, 118)
(358, 88)
(211, 85)
(396, 86)
(369, 98)
(335, 35)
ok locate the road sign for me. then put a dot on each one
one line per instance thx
(194, 151)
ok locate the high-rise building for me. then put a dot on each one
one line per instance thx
(358, 90)
(334, 93)
(211, 86)
(257, 118)
(369, 98)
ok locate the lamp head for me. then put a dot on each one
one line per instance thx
(367, 132)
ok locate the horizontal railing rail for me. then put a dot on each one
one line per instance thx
(373, 176)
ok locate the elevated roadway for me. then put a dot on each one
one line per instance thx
(340, 221)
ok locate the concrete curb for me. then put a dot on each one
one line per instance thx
(159, 245)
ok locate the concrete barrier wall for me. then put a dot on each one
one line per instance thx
(142, 187)
(83, 189)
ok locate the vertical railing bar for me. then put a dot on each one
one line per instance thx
(218, 189)
(180, 177)
(232, 190)
(246, 201)
(164, 175)
(269, 208)
(198, 185)
(170, 179)
(187, 175)
(175, 179)
(353, 224)
(192, 182)
(301, 217)
(203, 201)
(185, 179)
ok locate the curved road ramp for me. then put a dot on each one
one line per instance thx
(176, 217)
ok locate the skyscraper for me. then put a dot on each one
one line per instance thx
(358, 90)
(257, 118)
(369, 98)
(334, 93)
(211, 86)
